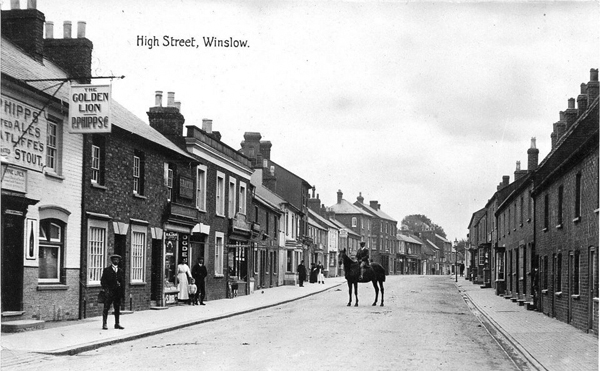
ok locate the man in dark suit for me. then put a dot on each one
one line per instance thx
(362, 256)
(199, 273)
(301, 273)
(113, 284)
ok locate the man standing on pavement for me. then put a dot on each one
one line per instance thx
(199, 273)
(301, 273)
(113, 284)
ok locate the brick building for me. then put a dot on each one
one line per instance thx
(288, 186)
(566, 214)
(41, 171)
(358, 220)
(384, 230)
(137, 193)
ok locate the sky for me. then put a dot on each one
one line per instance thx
(421, 106)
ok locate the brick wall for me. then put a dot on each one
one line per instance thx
(572, 237)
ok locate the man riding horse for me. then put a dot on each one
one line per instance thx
(362, 256)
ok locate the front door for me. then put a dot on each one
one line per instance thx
(12, 260)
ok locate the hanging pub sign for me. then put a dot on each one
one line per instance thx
(89, 109)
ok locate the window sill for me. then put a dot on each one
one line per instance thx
(576, 220)
(218, 275)
(575, 297)
(51, 287)
(544, 229)
(135, 195)
(98, 186)
(595, 300)
(558, 294)
(521, 225)
(528, 220)
(137, 283)
(559, 226)
(53, 175)
(545, 292)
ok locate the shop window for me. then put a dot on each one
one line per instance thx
(96, 250)
(51, 250)
(138, 253)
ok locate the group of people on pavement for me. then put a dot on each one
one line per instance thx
(316, 273)
(190, 284)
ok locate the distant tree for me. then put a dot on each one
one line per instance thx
(421, 223)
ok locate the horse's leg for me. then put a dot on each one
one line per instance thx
(356, 294)
(349, 293)
(376, 292)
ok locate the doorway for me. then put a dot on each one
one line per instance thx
(12, 260)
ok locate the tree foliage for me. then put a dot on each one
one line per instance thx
(421, 223)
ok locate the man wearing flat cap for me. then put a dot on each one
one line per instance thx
(113, 284)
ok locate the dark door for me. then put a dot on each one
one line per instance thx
(156, 271)
(12, 261)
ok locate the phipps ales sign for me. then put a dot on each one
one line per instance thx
(89, 109)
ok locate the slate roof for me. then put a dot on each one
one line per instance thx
(377, 212)
(19, 65)
(342, 226)
(345, 207)
(319, 218)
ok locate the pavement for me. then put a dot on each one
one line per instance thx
(544, 343)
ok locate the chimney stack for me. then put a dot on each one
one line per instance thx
(72, 55)
(360, 198)
(532, 156)
(265, 149)
(207, 125)
(167, 120)
(251, 146)
(518, 172)
(339, 196)
(592, 86)
(373, 205)
(25, 28)
(582, 100)
(570, 114)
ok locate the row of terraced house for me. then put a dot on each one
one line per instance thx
(156, 193)
(535, 242)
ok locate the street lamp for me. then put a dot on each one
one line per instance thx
(455, 260)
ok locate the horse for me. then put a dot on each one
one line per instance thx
(374, 273)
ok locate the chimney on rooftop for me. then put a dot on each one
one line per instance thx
(74, 55)
(339, 196)
(570, 113)
(374, 205)
(360, 198)
(532, 156)
(207, 125)
(265, 149)
(592, 86)
(25, 28)
(518, 172)
(167, 120)
(251, 147)
(582, 100)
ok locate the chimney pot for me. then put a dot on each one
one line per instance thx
(571, 103)
(80, 29)
(31, 4)
(170, 99)
(339, 196)
(15, 4)
(518, 165)
(583, 88)
(67, 29)
(178, 105)
(158, 98)
(207, 125)
(49, 30)
(594, 74)
(505, 180)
